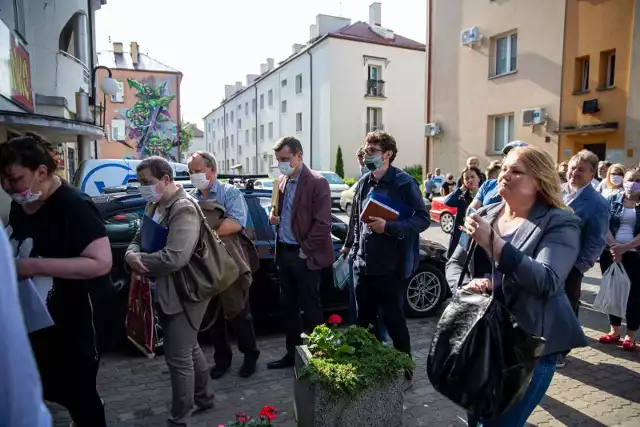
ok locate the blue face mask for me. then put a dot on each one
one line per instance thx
(373, 162)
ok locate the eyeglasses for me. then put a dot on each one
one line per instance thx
(372, 151)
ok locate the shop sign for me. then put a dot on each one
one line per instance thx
(15, 69)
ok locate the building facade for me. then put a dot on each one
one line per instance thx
(143, 118)
(489, 62)
(197, 143)
(46, 58)
(347, 80)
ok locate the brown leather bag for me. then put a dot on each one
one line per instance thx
(211, 269)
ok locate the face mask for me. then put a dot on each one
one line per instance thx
(27, 196)
(150, 193)
(285, 168)
(632, 187)
(199, 180)
(615, 179)
(373, 162)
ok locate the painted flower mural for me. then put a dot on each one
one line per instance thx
(149, 123)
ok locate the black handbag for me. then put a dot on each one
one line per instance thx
(480, 357)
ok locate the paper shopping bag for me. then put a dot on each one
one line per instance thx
(141, 319)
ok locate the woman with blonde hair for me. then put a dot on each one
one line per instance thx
(612, 183)
(527, 244)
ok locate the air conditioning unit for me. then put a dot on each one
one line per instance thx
(432, 129)
(470, 36)
(533, 116)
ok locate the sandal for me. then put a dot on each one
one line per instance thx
(609, 339)
(628, 345)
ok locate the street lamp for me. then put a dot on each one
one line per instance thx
(108, 86)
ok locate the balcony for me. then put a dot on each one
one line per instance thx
(373, 127)
(71, 75)
(375, 89)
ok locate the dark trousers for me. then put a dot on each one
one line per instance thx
(384, 292)
(245, 335)
(573, 288)
(68, 377)
(353, 308)
(299, 289)
(631, 264)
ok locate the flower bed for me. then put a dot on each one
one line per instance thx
(266, 415)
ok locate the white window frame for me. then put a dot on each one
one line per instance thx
(509, 67)
(585, 67)
(270, 98)
(261, 132)
(283, 107)
(262, 101)
(246, 136)
(118, 130)
(611, 70)
(374, 113)
(508, 124)
(283, 83)
(270, 130)
(299, 83)
(299, 124)
(119, 96)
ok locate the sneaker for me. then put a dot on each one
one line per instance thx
(561, 362)
(218, 371)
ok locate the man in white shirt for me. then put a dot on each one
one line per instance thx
(438, 179)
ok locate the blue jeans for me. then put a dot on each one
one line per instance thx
(518, 414)
(353, 309)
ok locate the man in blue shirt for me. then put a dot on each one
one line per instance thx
(21, 402)
(202, 167)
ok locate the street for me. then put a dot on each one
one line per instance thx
(600, 385)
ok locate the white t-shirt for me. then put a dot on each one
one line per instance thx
(438, 180)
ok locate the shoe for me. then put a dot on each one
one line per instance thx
(72, 424)
(286, 362)
(248, 366)
(561, 362)
(218, 371)
(408, 380)
(628, 345)
(609, 339)
(203, 408)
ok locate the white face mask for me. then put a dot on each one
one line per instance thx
(285, 168)
(615, 179)
(199, 180)
(150, 193)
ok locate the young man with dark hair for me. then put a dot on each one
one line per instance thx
(386, 253)
(303, 241)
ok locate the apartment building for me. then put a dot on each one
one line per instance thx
(555, 73)
(350, 78)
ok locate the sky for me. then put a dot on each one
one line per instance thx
(215, 42)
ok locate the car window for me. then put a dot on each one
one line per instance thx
(124, 218)
(267, 184)
(332, 178)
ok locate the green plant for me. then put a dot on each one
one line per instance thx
(266, 415)
(348, 361)
(339, 162)
(415, 171)
(350, 181)
(186, 135)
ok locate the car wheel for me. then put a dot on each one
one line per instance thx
(347, 209)
(446, 222)
(426, 291)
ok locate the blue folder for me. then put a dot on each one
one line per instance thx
(404, 211)
(153, 236)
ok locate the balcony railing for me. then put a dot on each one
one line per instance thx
(71, 76)
(373, 127)
(375, 88)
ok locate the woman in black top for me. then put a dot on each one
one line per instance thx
(70, 246)
(468, 185)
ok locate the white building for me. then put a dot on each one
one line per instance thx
(347, 80)
(197, 144)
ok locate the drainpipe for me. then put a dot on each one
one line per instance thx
(91, 64)
(310, 108)
(428, 89)
(255, 86)
(224, 130)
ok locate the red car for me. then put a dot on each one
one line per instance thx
(443, 214)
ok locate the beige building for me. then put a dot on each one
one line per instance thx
(492, 64)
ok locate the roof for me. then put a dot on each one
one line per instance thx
(121, 61)
(358, 32)
(197, 133)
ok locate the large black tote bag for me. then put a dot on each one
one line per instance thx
(480, 358)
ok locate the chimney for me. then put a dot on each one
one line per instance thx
(134, 53)
(229, 90)
(296, 48)
(238, 86)
(375, 14)
(117, 47)
(263, 68)
(251, 78)
(270, 64)
(313, 31)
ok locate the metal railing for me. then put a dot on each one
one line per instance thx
(373, 127)
(375, 88)
(86, 73)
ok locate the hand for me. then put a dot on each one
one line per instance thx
(479, 286)
(463, 188)
(301, 255)
(344, 250)
(617, 250)
(479, 230)
(27, 267)
(377, 224)
(274, 220)
(134, 259)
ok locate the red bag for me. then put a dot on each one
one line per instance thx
(141, 321)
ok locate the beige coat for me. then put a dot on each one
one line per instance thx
(184, 232)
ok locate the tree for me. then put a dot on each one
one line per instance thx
(339, 163)
(186, 135)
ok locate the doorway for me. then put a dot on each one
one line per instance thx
(599, 149)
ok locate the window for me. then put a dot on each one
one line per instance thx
(270, 130)
(246, 108)
(270, 98)
(283, 107)
(231, 116)
(239, 123)
(255, 164)
(239, 107)
(374, 72)
(262, 101)
(582, 74)
(226, 164)
(118, 130)
(374, 119)
(262, 166)
(239, 150)
(247, 166)
(18, 9)
(506, 53)
(246, 137)
(118, 97)
(226, 119)
(261, 132)
(299, 83)
(271, 160)
(607, 70)
(253, 134)
(232, 140)
(298, 122)
(502, 131)
(253, 105)
(332, 178)
(283, 83)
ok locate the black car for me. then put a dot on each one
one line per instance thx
(122, 212)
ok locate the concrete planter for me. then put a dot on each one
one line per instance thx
(314, 406)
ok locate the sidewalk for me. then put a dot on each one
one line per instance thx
(599, 387)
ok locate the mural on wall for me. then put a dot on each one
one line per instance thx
(148, 122)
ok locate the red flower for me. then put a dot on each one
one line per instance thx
(241, 417)
(268, 412)
(334, 319)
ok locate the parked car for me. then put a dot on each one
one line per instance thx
(122, 213)
(336, 184)
(346, 199)
(445, 215)
(263, 184)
